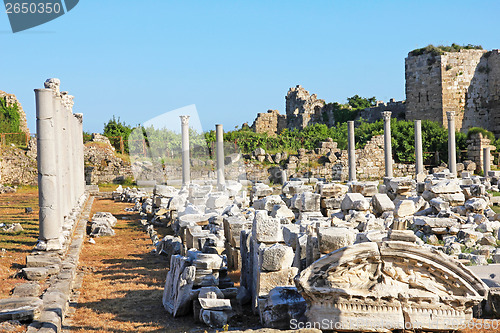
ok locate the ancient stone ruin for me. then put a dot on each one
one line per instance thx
(364, 256)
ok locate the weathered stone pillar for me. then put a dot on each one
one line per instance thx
(486, 161)
(419, 155)
(186, 167)
(387, 143)
(452, 152)
(80, 157)
(50, 219)
(351, 150)
(219, 139)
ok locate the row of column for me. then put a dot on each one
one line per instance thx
(219, 146)
(60, 160)
(419, 164)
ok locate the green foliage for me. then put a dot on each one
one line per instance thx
(9, 117)
(441, 49)
(345, 112)
(434, 138)
(115, 128)
(484, 132)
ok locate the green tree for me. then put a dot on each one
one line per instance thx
(115, 128)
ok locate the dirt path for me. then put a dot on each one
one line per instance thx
(123, 282)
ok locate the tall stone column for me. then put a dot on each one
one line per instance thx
(80, 159)
(186, 167)
(486, 161)
(387, 143)
(351, 150)
(60, 147)
(49, 214)
(419, 157)
(219, 137)
(452, 152)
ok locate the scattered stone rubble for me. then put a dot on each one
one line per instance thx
(102, 224)
(398, 249)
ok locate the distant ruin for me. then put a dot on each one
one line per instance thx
(465, 81)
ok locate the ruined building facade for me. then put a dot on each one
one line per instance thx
(303, 109)
(467, 82)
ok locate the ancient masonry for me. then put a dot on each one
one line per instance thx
(303, 109)
(10, 100)
(466, 82)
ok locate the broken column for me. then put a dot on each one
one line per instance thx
(50, 217)
(486, 161)
(219, 136)
(419, 160)
(387, 143)
(351, 150)
(452, 153)
(186, 167)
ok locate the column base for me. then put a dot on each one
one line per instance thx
(48, 245)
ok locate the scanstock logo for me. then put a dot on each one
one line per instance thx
(26, 14)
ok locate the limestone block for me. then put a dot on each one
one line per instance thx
(265, 228)
(269, 202)
(476, 205)
(269, 280)
(366, 189)
(331, 239)
(276, 257)
(332, 190)
(361, 205)
(215, 304)
(283, 305)
(217, 200)
(404, 208)
(261, 190)
(401, 185)
(216, 319)
(165, 191)
(330, 203)
(349, 199)
(105, 216)
(20, 308)
(178, 286)
(282, 211)
(446, 186)
(435, 222)
(382, 203)
(35, 273)
(439, 204)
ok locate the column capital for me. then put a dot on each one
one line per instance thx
(386, 115)
(184, 120)
(450, 115)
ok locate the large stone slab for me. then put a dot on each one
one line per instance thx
(178, 286)
(20, 308)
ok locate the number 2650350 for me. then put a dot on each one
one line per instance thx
(32, 8)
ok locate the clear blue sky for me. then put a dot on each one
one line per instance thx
(232, 59)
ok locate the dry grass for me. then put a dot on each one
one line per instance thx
(123, 285)
(17, 246)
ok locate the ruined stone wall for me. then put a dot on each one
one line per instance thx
(424, 88)
(398, 109)
(330, 163)
(302, 108)
(11, 99)
(271, 122)
(463, 84)
(467, 82)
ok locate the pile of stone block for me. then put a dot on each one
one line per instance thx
(102, 224)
